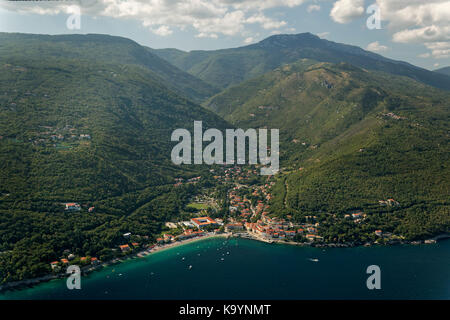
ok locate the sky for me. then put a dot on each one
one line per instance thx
(416, 31)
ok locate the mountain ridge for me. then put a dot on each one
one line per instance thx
(107, 49)
(227, 67)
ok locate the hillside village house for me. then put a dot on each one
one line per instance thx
(234, 227)
(72, 206)
(189, 233)
(203, 222)
(125, 248)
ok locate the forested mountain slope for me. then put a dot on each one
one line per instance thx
(350, 138)
(104, 49)
(227, 67)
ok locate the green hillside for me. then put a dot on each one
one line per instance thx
(88, 119)
(105, 49)
(98, 134)
(349, 138)
(227, 67)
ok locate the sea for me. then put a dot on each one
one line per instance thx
(235, 268)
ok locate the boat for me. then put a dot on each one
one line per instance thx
(314, 259)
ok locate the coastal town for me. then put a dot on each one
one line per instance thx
(247, 215)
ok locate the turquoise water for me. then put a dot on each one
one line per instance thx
(255, 270)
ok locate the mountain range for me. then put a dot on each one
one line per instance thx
(349, 138)
(227, 67)
(105, 49)
(88, 118)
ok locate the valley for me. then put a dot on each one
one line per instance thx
(86, 123)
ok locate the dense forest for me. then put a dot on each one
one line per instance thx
(98, 134)
(349, 139)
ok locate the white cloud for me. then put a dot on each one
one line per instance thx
(439, 50)
(425, 34)
(376, 47)
(161, 31)
(409, 21)
(207, 35)
(210, 18)
(313, 7)
(344, 11)
(425, 22)
(262, 4)
(265, 22)
(248, 40)
(323, 34)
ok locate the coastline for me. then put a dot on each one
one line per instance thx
(27, 283)
(183, 242)
(252, 236)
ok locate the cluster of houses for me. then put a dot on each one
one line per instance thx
(263, 191)
(265, 227)
(243, 205)
(388, 202)
(357, 216)
(192, 228)
(126, 247)
(277, 228)
(236, 174)
(180, 181)
(52, 135)
(393, 116)
(73, 206)
(56, 265)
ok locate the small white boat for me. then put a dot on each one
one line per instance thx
(190, 267)
(314, 259)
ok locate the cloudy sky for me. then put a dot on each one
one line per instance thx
(417, 31)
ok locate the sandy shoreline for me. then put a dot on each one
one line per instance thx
(183, 242)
